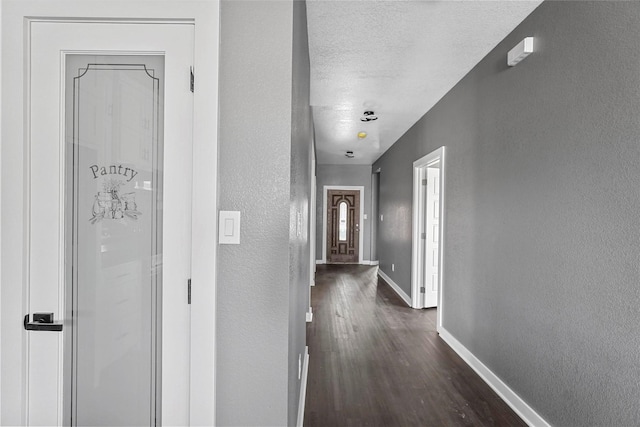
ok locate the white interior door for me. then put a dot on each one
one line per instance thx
(109, 204)
(432, 224)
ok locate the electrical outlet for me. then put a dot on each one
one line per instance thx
(393, 267)
(381, 218)
(299, 366)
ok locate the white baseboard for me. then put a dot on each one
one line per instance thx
(310, 315)
(303, 387)
(519, 406)
(363, 262)
(395, 287)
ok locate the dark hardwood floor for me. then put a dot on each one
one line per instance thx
(373, 361)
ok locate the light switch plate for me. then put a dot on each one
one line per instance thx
(229, 228)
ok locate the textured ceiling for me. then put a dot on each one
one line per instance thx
(397, 58)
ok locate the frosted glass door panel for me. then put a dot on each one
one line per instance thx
(114, 107)
(342, 231)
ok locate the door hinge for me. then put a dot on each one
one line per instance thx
(189, 291)
(424, 181)
(191, 79)
(423, 290)
(423, 236)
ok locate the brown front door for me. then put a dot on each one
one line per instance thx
(343, 228)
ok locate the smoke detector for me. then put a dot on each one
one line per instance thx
(349, 154)
(369, 116)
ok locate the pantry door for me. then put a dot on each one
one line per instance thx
(110, 132)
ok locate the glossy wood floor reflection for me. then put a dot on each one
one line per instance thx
(373, 361)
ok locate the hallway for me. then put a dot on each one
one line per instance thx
(374, 361)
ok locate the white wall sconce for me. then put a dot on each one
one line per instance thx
(521, 51)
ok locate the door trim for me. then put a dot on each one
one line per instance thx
(312, 233)
(417, 258)
(14, 179)
(326, 189)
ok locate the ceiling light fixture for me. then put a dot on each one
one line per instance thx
(369, 116)
(362, 135)
(349, 154)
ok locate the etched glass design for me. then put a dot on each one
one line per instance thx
(114, 134)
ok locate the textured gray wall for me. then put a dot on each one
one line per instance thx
(299, 244)
(375, 216)
(395, 193)
(259, 315)
(359, 175)
(543, 194)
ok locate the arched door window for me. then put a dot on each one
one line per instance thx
(342, 231)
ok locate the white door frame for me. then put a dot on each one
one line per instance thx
(324, 218)
(14, 181)
(313, 221)
(312, 233)
(417, 257)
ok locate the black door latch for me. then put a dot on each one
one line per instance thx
(42, 322)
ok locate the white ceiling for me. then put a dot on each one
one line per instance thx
(395, 57)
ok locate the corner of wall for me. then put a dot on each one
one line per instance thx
(519, 406)
(397, 289)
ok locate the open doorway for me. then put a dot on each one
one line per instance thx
(428, 206)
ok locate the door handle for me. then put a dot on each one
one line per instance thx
(42, 322)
